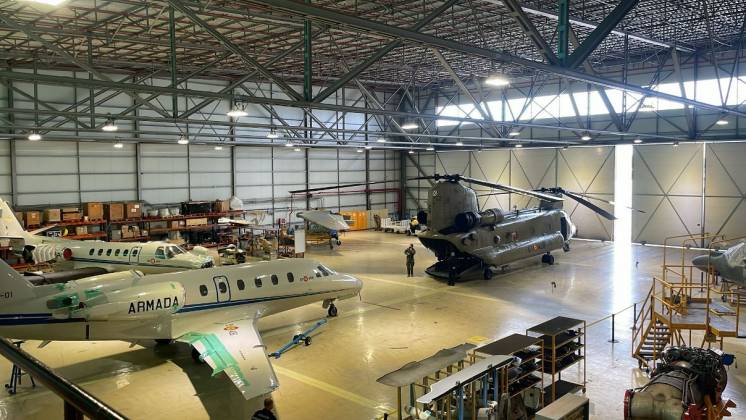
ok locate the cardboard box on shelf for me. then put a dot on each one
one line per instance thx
(52, 215)
(175, 224)
(222, 206)
(81, 230)
(143, 232)
(33, 218)
(196, 222)
(133, 210)
(71, 216)
(114, 211)
(94, 211)
(70, 210)
(127, 234)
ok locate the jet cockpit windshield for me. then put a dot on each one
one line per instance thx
(168, 252)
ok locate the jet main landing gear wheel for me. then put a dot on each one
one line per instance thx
(332, 311)
(547, 259)
(307, 341)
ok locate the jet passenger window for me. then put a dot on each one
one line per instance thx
(241, 285)
(100, 252)
(126, 251)
(203, 290)
(158, 253)
(291, 278)
(116, 253)
(275, 280)
(258, 282)
(108, 252)
(223, 288)
(91, 251)
(134, 252)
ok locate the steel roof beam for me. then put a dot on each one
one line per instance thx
(230, 46)
(530, 30)
(355, 71)
(397, 32)
(599, 34)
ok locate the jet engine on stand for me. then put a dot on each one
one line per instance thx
(687, 384)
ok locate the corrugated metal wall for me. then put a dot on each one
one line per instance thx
(54, 172)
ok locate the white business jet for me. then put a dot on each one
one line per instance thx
(148, 257)
(214, 310)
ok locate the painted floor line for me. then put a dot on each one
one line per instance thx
(443, 289)
(334, 390)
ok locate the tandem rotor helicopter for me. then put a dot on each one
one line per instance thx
(470, 243)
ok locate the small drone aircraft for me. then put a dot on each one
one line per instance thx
(214, 310)
(730, 264)
(469, 242)
(324, 226)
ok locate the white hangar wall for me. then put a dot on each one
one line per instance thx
(62, 172)
(686, 190)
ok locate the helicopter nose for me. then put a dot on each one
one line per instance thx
(704, 261)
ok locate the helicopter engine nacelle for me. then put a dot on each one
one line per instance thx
(469, 220)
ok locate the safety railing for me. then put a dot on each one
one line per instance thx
(78, 402)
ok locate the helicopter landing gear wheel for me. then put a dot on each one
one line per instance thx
(487, 273)
(566, 246)
(547, 259)
(332, 311)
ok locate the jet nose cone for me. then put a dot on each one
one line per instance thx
(703, 261)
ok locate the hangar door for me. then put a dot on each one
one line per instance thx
(725, 189)
(667, 186)
(588, 171)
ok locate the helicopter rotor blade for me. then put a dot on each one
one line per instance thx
(335, 187)
(510, 189)
(604, 201)
(601, 212)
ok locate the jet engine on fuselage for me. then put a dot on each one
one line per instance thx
(99, 304)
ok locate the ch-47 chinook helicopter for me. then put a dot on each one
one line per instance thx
(471, 243)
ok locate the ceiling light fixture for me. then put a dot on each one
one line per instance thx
(368, 146)
(519, 145)
(381, 140)
(109, 125)
(721, 122)
(497, 80)
(459, 143)
(411, 152)
(272, 134)
(514, 133)
(218, 147)
(297, 149)
(410, 126)
(118, 145)
(676, 144)
(585, 137)
(34, 136)
(359, 150)
(47, 2)
(289, 144)
(237, 111)
(430, 148)
(183, 140)
(637, 141)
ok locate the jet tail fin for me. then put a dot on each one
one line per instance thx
(10, 227)
(13, 287)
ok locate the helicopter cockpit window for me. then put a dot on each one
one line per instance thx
(159, 253)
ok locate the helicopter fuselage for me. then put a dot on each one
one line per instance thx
(514, 236)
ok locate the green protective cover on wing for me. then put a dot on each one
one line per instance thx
(235, 348)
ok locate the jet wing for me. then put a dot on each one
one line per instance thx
(325, 219)
(236, 349)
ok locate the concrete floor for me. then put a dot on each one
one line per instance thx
(398, 320)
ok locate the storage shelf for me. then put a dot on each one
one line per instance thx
(86, 236)
(80, 222)
(561, 365)
(561, 388)
(518, 387)
(134, 239)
